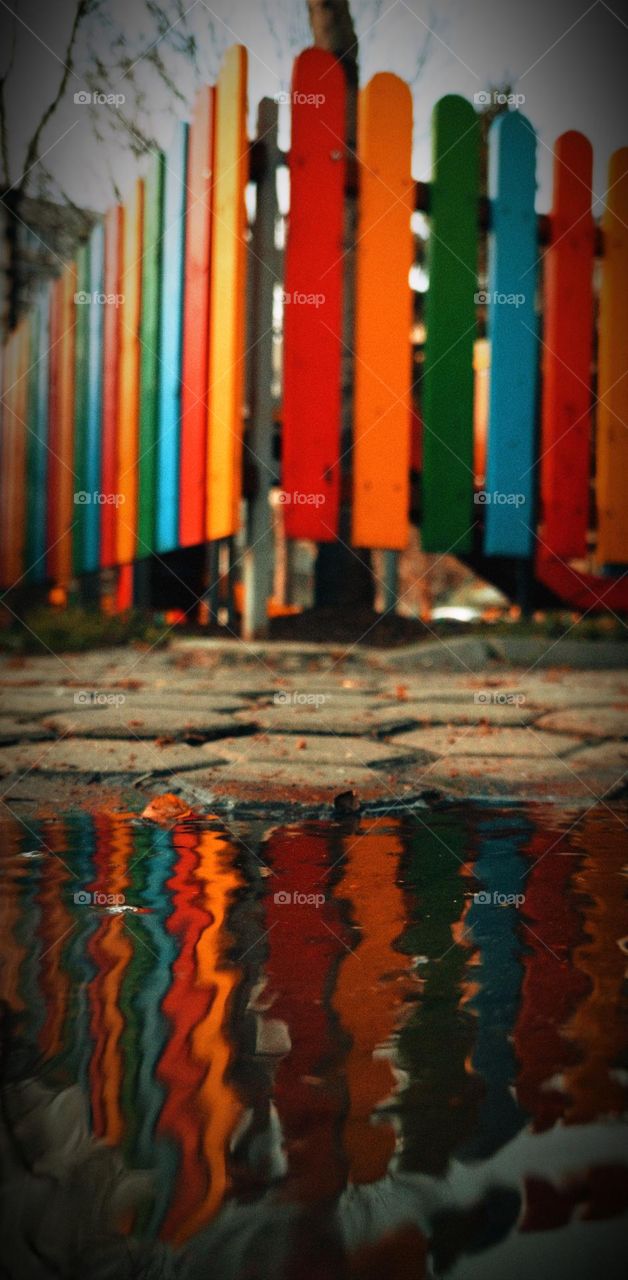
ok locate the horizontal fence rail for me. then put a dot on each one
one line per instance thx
(139, 395)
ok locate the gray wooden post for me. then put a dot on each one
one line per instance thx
(264, 265)
(389, 580)
(210, 593)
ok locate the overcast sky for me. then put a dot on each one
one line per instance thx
(568, 57)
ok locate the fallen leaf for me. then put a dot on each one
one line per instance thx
(166, 809)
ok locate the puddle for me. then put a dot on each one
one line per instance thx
(375, 1047)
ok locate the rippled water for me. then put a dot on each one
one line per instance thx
(372, 1048)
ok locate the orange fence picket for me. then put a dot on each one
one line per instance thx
(367, 1008)
(111, 949)
(129, 378)
(227, 307)
(381, 451)
(218, 1105)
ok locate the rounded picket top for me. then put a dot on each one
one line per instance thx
(314, 69)
(455, 124)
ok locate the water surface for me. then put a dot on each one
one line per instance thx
(380, 1047)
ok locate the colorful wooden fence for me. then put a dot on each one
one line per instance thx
(124, 422)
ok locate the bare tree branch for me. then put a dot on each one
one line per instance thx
(32, 153)
(4, 133)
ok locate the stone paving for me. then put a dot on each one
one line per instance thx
(276, 729)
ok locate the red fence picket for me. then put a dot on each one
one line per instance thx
(195, 366)
(567, 352)
(313, 293)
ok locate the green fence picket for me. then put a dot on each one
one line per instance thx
(450, 320)
(81, 358)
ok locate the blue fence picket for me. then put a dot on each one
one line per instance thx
(512, 331)
(171, 344)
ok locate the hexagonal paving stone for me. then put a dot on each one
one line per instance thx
(487, 740)
(146, 722)
(71, 755)
(581, 778)
(326, 749)
(28, 702)
(606, 763)
(437, 688)
(274, 786)
(330, 717)
(48, 669)
(469, 712)
(167, 699)
(556, 696)
(12, 730)
(599, 722)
